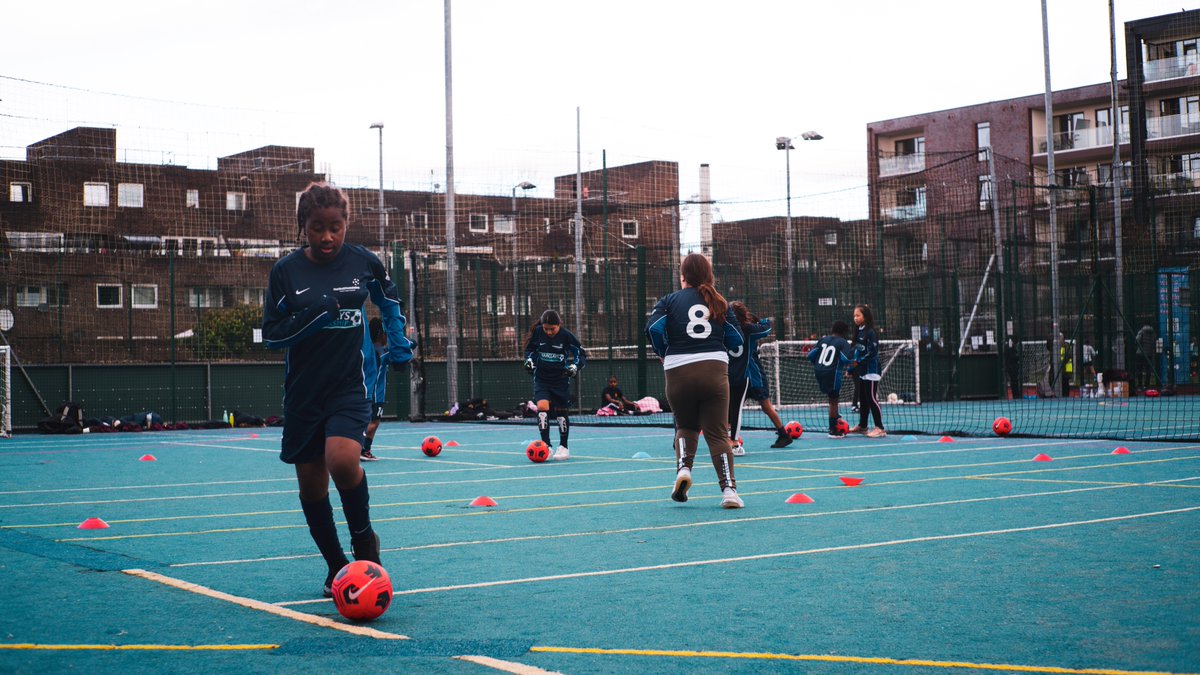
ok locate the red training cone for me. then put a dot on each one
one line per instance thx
(799, 498)
(945, 439)
(253, 435)
(483, 501)
(148, 458)
(1121, 451)
(93, 524)
(851, 482)
(452, 444)
(1043, 458)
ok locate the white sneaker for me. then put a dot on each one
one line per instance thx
(730, 499)
(562, 453)
(739, 450)
(683, 481)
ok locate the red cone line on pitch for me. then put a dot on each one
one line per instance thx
(1043, 458)
(148, 458)
(799, 498)
(452, 444)
(93, 524)
(483, 501)
(945, 439)
(1121, 451)
(851, 482)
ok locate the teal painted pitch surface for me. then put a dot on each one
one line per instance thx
(966, 552)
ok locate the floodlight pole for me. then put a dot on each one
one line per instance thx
(785, 143)
(382, 215)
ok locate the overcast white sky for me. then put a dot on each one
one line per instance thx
(692, 82)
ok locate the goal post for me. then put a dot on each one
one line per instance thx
(6, 399)
(793, 384)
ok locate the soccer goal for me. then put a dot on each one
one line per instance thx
(789, 373)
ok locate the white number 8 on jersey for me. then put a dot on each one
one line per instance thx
(698, 326)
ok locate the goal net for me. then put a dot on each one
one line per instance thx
(789, 374)
(6, 395)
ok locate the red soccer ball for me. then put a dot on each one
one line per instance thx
(843, 426)
(431, 446)
(362, 591)
(793, 429)
(537, 451)
(1002, 426)
(1151, 393)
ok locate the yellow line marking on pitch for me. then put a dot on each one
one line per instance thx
(824, 658)
(267, 607)
(138, 648)
(505, 666)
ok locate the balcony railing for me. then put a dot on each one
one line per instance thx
(1167, 126)
(901, 164)
(910, 212)
(1171, 67)
(1082, 138)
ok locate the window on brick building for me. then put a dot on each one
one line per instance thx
(95, 194)
(131, 195)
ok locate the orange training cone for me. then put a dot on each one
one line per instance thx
(799, 498)
(93, 524)
(452, 444)
(1121, 451)
(483, 501)
(1043, 458)
(945, 439)
(148, 458)
(851, 482)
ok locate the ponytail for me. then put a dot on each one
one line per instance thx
(697, 272)
(715, 302)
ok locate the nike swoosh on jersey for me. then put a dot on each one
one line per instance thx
(302, 290)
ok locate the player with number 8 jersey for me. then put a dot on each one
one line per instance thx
(692, 331)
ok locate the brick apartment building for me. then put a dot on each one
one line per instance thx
(105, 261)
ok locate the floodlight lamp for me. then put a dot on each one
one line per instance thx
(783, 143)
(377, 125)
(811, 136)
(526, 185)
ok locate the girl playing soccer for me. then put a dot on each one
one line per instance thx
(866, 372)
(314, 309)
(692, 330)
(746, 380)
(553, 356)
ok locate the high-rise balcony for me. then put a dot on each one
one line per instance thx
(1171, 67)
(899, 165)
(1082, 138)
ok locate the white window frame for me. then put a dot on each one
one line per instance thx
(477, 217)
(131, 195)
(625, 232)
(120, 296)
(419, 219)
(983, 139)
(191, 199)
(141, 303)
(831, 238)
(33, 296)
(985, 192)
(20, 192)
(204, 297)
(95, 194)
(254, 296)
(235, 201)
(504, 224)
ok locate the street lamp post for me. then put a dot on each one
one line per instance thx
(785, 143)
(523, 185)
(382, 212)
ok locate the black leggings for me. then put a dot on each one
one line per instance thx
(868, 405)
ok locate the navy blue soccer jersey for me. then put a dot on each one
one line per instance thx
(868, 360)
(315, 311)
(552, 356)
(829, 358)
(743, 360)
(681, 330)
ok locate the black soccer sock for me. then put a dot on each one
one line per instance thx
(356, 506)
(564, 429)
(367, 444)
(544, 426)
(319, 515)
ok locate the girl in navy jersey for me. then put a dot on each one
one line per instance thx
(746, 379)
(553, 356)
(314, 308)
(866, 372)
(692, 330)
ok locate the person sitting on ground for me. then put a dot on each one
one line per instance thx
(614, 398)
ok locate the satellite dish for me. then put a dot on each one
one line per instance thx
(6, 320)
